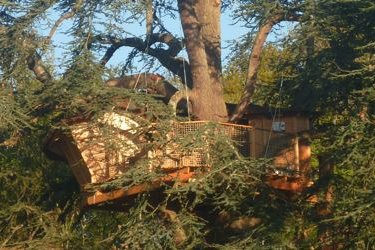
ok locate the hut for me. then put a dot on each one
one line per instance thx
(282, 134)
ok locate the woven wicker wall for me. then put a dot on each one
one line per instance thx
(197, 157)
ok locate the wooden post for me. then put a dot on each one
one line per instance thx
(304, 155)
(296, 153)
(252, 142)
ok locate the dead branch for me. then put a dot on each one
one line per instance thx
(35, 64)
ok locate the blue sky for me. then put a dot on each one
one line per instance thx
(230, 32)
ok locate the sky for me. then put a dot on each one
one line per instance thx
(230, 32)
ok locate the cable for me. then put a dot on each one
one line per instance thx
(274, 116)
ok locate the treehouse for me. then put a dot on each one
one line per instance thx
(95, 160)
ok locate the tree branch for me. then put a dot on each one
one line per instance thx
(167, 57)
(149, 17)
(64, 17)
(255, 59)
(34, 62)
(58, 23)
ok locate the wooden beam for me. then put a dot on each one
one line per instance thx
(292, 184)
(100, 197)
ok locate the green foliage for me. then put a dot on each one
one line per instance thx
(335, 82)
(328, 71)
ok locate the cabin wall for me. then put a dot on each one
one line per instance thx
(92, 159)
(287, 149)
(293, 124)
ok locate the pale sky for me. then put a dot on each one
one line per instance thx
(229, 32)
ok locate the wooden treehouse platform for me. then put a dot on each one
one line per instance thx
(95, 161)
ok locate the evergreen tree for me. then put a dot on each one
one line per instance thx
(326, 66)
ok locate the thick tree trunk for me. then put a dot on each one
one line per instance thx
(201, 24)
(253, 67)
(325, 206)
(149, 17)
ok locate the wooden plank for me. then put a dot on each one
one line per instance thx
(100, 197)
(291, 184)
(252, 143)
(305, 157)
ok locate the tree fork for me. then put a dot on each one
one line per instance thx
(253, 67)
(255, 58)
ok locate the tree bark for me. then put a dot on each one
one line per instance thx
(149, 17)
(167, 57)
(35, 64)
(200, 21)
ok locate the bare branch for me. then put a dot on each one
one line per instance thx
(255, 59)
(58, 23)
(167, 57)
(61, 19)
(149, 16)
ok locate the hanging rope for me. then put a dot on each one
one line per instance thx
(277, 110)
(186, 91)
(135, 86)
(140, 73)
(182, 93)
(185, 78)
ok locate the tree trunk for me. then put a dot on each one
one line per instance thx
(200, 21)
(253, 67)
(149, 17)
(325, 207)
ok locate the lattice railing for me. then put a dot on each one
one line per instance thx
(239, 134)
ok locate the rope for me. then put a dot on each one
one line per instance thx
(140, 73)
(274, 116)
(186, 87)
(186, 90)
(135, 86)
